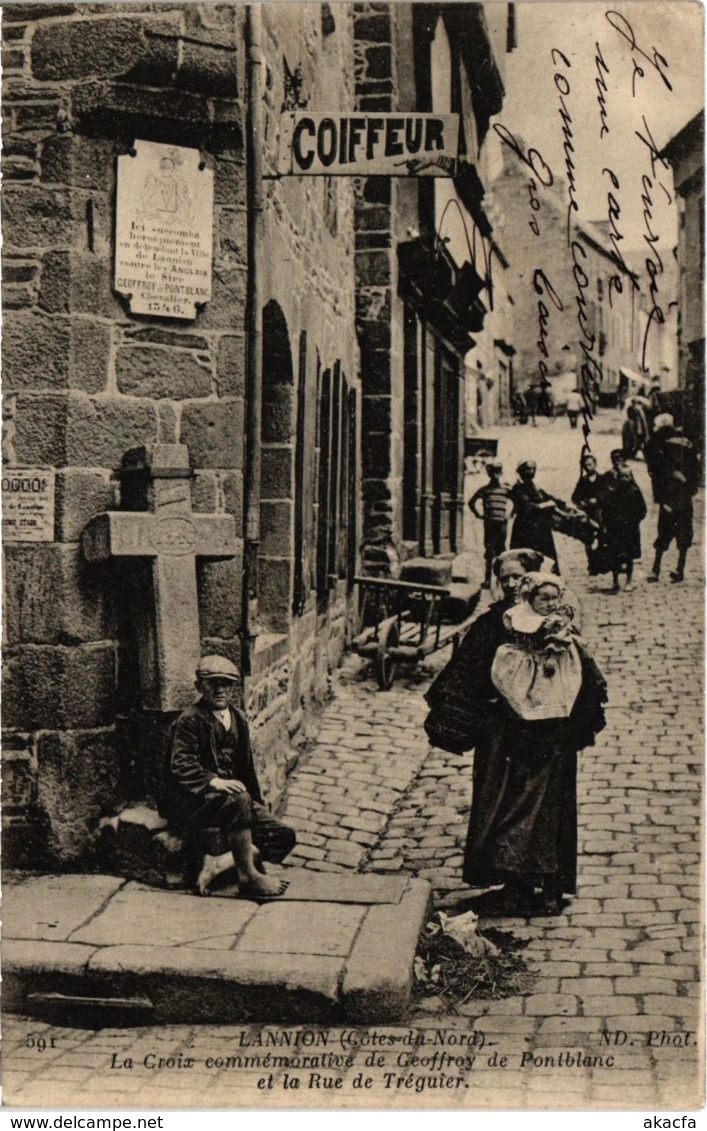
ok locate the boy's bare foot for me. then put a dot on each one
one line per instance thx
(262, 887)
(212, 867)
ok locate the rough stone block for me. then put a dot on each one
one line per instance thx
(232, 486)
(53, 597)
(77, 782)
(213, 433)
(43, 354)
(373, 217)
(78, 283)
(145, 371)
(230, 366)
(133, 848)
(103, 47)
(83, 162)
(18, 12)
(19, 146)
(18, 777)
(37, 115)
(19, 169)
(226, 311)
(378, 978)
(89, 358)
(276, 528)
(18, 297)
(117, 109)
(35, 352)
(99, 431)
(155, 335)
(13, 58)
(277, 472)
(220, 587)
(208, 68)
(80, 494)
(373, 268)
(278, 423)
(376, 454)
(377, 414)
(48, 687)
(229, 179)
(19, 270)
(380, 102)
(36, 216)
(375, 340)
(375, 27)
(275, 593)
(205, 491)
(167, 423)
(49, 908)
(232, 232)
(377, 190)
(40, 429)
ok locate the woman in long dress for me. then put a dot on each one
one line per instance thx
(533, 508)
(523, 821)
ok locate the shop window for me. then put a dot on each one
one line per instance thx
(337, 483)
(277, 480)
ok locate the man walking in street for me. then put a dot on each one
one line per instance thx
(494, 497)
(677, 474)
(574, 407)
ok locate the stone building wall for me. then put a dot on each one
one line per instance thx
(84, 380)
(377, 88)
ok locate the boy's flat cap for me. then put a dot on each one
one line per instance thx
(212, 667)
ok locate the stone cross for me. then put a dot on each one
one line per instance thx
(164, 533)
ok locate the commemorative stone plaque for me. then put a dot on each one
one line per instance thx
(164, 230)
(28, 504)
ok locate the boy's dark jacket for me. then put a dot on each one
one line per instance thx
(193, 761)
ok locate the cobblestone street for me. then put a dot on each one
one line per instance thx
(372, 795)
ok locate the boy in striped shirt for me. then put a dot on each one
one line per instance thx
(494, 498)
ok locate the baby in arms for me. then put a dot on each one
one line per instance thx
(539, 672)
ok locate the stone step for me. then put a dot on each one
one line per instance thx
(336, 948)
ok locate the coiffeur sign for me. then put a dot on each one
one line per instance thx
(360, 145)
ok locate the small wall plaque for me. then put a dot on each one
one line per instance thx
(28, 504)
(164, 230)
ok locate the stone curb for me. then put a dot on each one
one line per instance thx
(378, 977)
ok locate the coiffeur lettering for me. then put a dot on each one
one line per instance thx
(344, 140)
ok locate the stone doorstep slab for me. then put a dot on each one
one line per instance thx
(303, 928)
(167, 919)
(53, 907)
(307, 886)
(291, 960)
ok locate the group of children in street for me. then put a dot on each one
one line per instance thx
(615, 506)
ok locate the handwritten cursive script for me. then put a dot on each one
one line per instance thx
(602, 89)
(563, 88)
(653, 260)
(654, 59)
(543, 286)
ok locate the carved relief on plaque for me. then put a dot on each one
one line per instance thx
(164, 230)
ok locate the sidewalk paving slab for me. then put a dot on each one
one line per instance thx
(335, 945)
